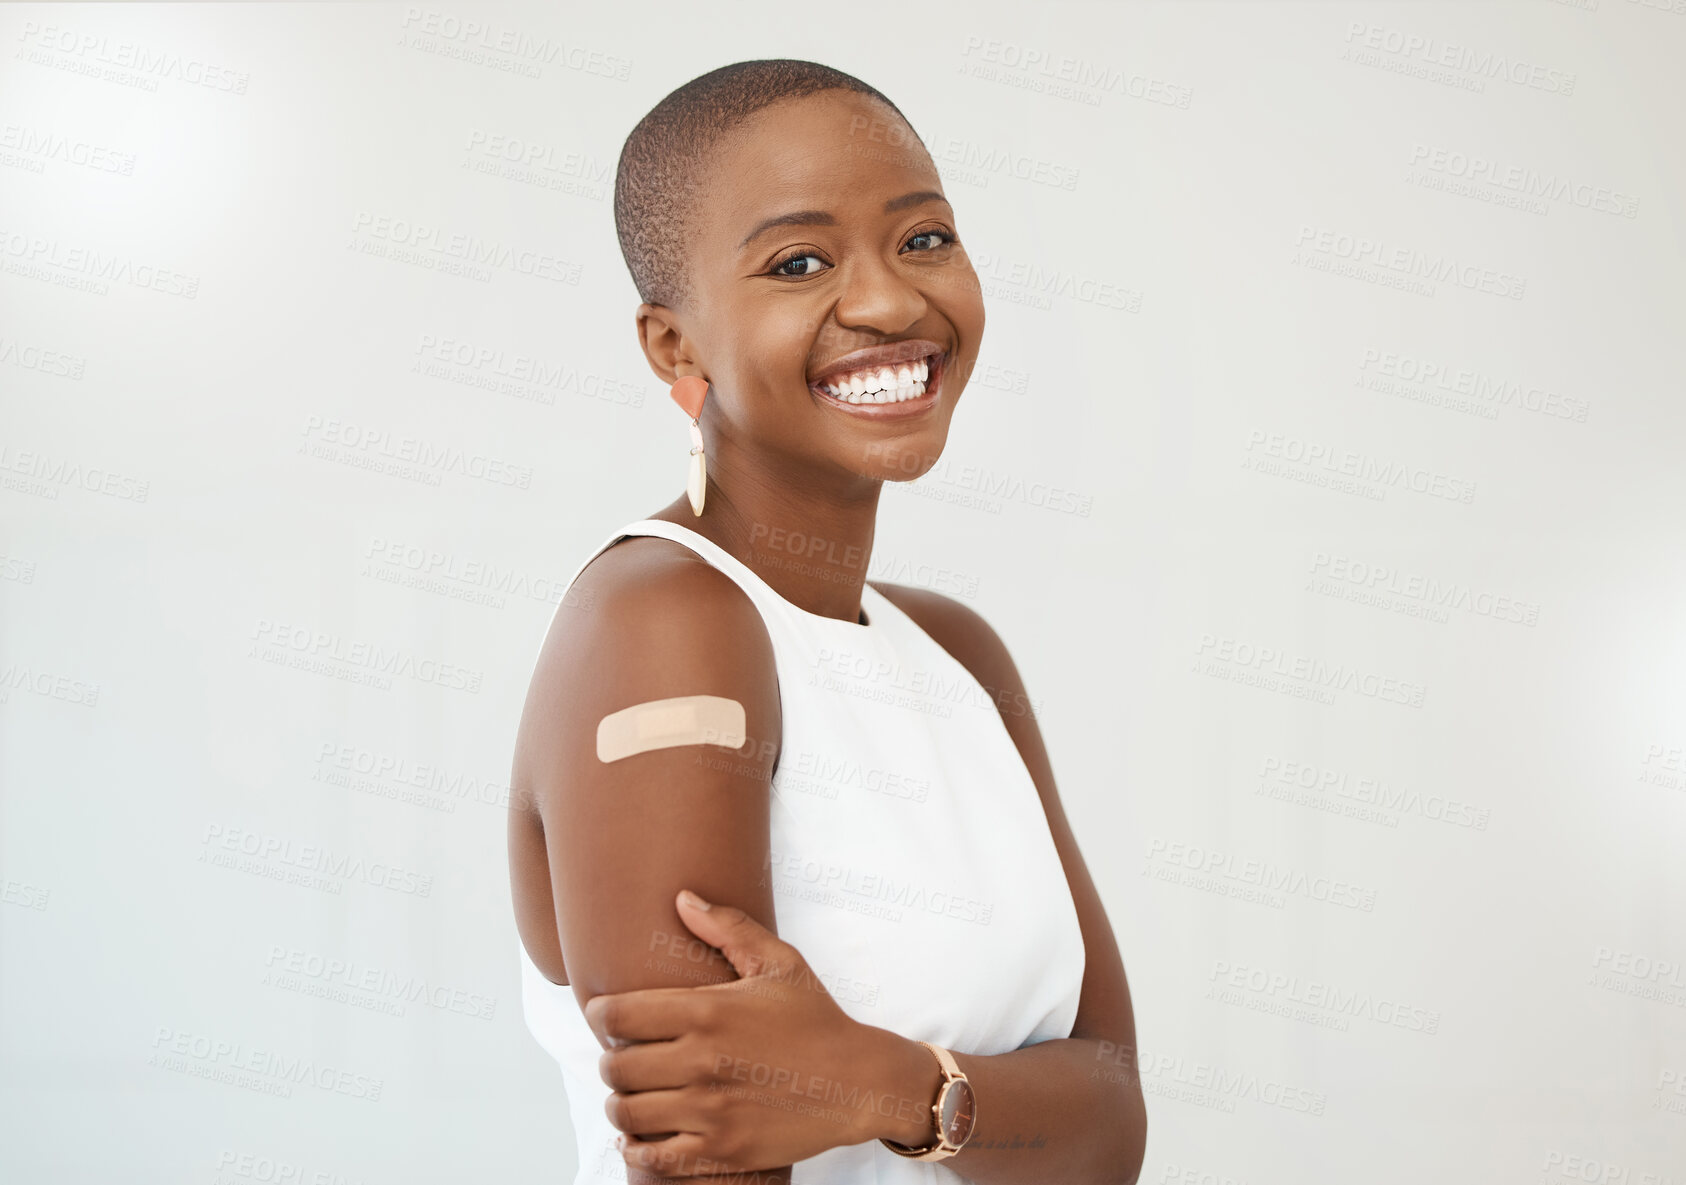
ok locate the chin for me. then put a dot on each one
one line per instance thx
(904, 460)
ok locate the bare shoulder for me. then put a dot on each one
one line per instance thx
(605, 845)
(646, 619)
(653, 587)
(658, 587)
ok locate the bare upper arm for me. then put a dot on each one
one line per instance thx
(622, 838)
(1104, 1010)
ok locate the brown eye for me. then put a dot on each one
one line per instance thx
(947, 239)
(800, 257)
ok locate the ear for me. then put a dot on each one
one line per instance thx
(664, 343)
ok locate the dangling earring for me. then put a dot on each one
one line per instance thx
(688, 393)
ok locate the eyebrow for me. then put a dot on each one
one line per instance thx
(821, 218)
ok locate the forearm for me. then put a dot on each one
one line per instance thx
(1067, 1110)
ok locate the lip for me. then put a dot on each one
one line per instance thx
(892, 354)
(888, 354)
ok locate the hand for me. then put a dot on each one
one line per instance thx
(755, 1073)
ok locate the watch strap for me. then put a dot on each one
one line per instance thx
(941, 1149)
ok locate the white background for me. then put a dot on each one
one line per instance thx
(1254, 312)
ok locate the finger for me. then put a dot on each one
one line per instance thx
(649, 1014)
(750, 947)
(654, 1065)
(685, 1155)
(660, 1112)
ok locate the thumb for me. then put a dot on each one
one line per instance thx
(750, 947)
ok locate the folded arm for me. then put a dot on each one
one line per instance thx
(1071, 1109)
(623, 837)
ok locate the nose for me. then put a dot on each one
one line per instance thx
(880, 295)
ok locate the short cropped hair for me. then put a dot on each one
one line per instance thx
(656, 182)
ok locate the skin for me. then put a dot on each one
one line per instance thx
(682, 998)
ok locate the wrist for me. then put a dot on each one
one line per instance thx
(900, 1080)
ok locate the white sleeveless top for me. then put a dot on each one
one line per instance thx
(911, 860)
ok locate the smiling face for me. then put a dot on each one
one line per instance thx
(822, 251)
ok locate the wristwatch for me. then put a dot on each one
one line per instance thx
(955, 1113)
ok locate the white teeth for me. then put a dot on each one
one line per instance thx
(897, 394)
(887, 384)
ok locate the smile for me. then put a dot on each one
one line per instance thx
(878, 391)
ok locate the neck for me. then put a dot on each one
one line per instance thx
(807, 535)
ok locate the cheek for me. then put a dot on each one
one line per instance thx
(775, 347)
(959, 300)
(958, 295)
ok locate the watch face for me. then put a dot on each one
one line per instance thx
(958, 1112)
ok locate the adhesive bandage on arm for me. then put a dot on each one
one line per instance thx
(666, 723)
